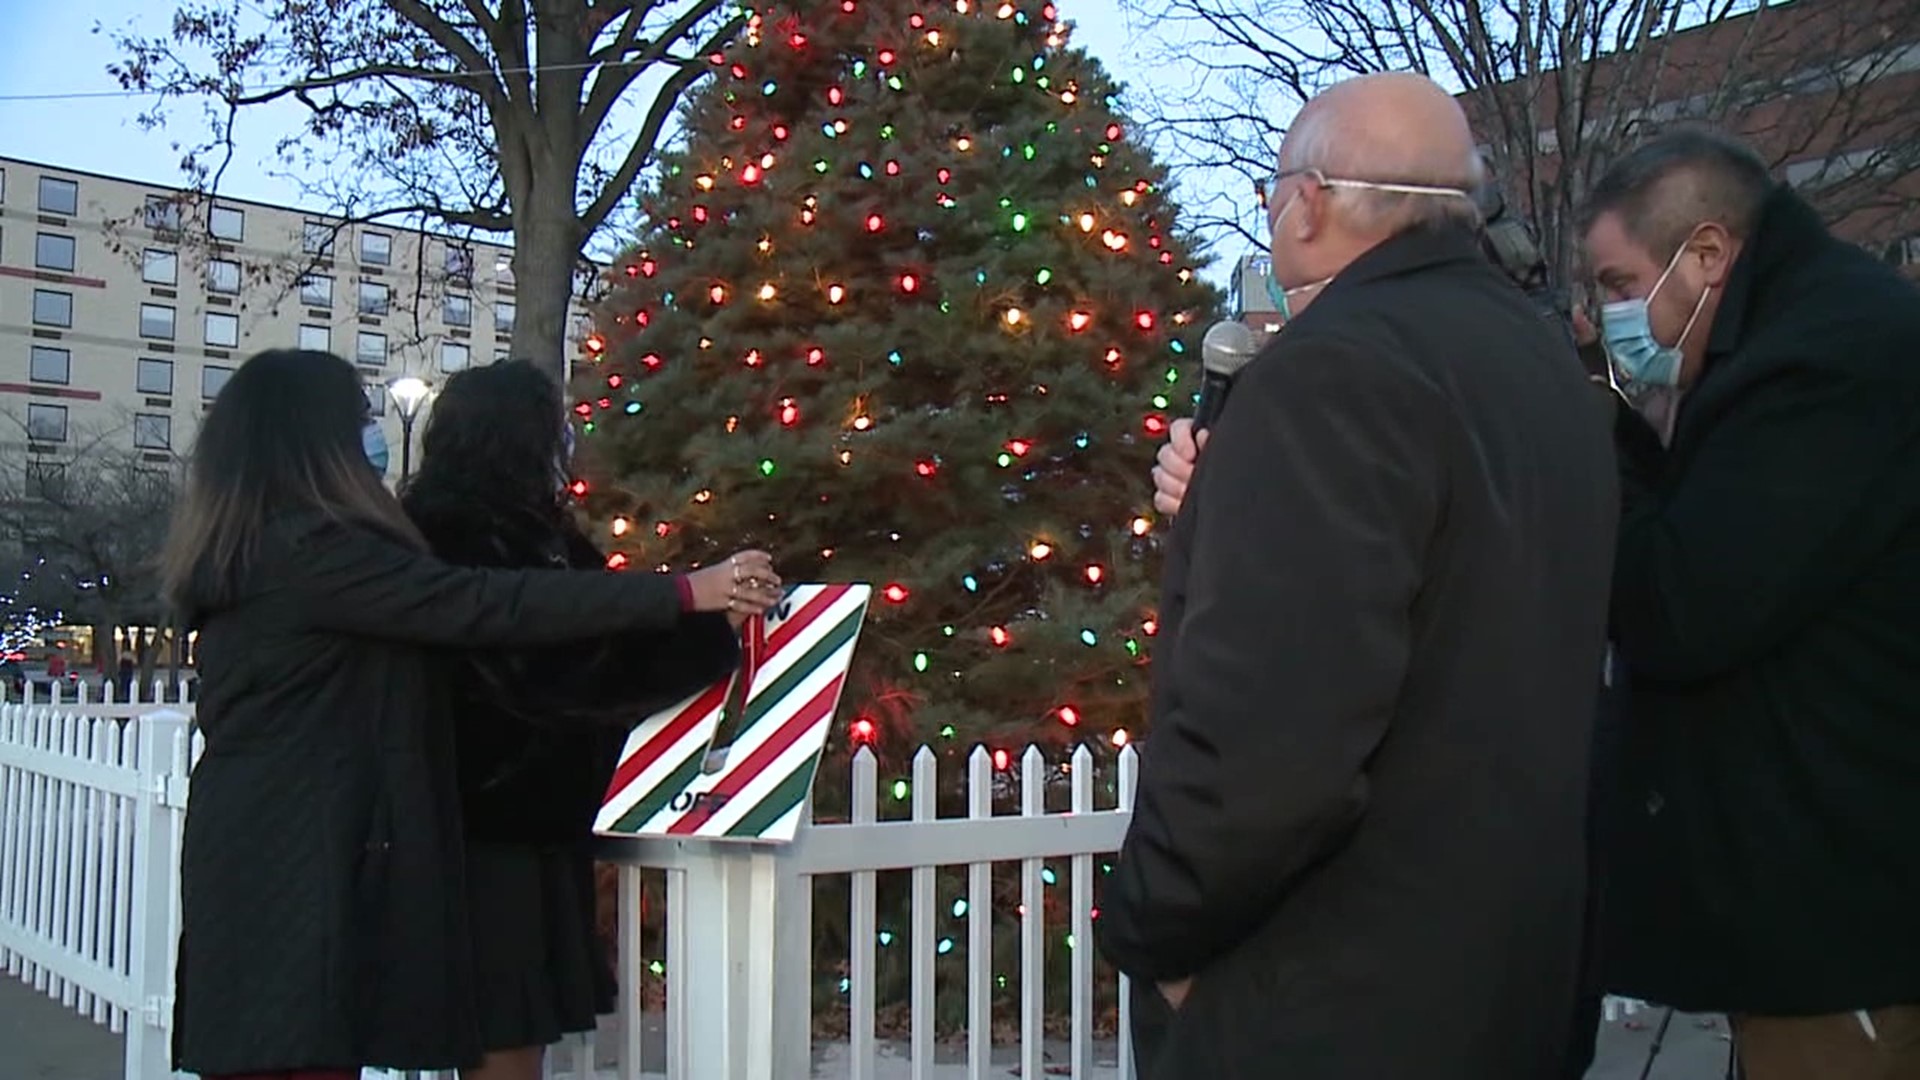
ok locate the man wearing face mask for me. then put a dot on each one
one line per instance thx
(1357, 843)
(1766, 602)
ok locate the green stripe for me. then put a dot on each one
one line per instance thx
(760, 706)
(662, 793)
(778, 801)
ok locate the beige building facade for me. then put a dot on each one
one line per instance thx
(125, 306)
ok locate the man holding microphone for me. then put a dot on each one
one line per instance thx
(1357, 843)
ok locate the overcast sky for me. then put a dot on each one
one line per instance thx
(52, 49)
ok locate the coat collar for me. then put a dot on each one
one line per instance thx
(1788, 234)
(1416, 249)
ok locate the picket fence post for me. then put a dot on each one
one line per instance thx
(156, 856)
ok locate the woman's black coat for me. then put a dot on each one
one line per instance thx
(540, 729)
(324, 923)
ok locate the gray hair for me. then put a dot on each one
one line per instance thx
(1316, 142)
(1669, 185)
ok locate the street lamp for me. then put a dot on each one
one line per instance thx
(409, 393)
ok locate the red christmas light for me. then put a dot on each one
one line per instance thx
(1113, 132)
(1079, 320)
(738, 123)
(739, 72)
(617, 561)
(1113, 357)
(944, 175)
(579, 489)
(780, 132)
(816, 356)
(835, 95)
(886, 58)
(909, 283)
(1095, 573)
(700, 214)
(595, 343)
(925, 468)
(916, 20)
(661, 529)
(651, 362)
(1069, 715)
(1166, 258)
(1150, 627)
(641, 318)
(1143, 319)
(797, 39)
(717, 293)
(751, 174)
(875, 223)
(1002, 760)
(1155, 425)
(999, 636)
(583, 409)
(893, 168)
(861, 731)
(1018, 447)
(895, 593)
(633, 271)
(614, 381)
(648, 267)
(753, 358)
(789, 412)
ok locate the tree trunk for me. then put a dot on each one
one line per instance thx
(546, 249)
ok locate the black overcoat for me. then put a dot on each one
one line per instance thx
(323, 909)
(1767, 604)
(1361, 810)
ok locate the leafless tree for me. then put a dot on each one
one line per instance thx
(522, 117)
(1557, 88)
(84, 519)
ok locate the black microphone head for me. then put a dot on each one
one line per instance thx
(1227, 348)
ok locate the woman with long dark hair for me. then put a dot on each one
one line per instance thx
(540, 729)
(324, 918)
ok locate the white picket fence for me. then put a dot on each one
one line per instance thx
(91, 808)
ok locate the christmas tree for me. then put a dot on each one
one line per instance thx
(913, 310)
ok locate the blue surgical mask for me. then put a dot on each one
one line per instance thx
(1283, 298)
(1626, 327)
(373, 440)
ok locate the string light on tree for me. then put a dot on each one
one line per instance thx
(912, 343)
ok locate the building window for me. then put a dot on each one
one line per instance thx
(46, 480)
(154, 377)
(503, 312)
(156, 321)
(47, 423)
(223, 330)
(51, 308)
(50, 365)
(160, 267)
(374, 298)
(376, 249)
(162, 214)
(51, 251)
(316, 238)
(223, 276)
(458, 310)
(371, 349)
(376, 399)
(226, 223)
(316, 290)
(151, 432)
(213, 379)
(59, 196)
(316, 338)
(503, 270)
(459, 262)
(454, 357)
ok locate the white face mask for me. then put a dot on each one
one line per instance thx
(1281, 295)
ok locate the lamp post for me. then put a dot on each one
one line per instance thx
(409, 393)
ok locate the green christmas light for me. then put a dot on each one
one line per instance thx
(970, 583)
(1027, 151)
(894, 83)
(894, 358)
(1089, 638)
(1173, 376)
(900, 790)
(1042, 276)
(1019, 223)
(821, 166)
(1019, 75)
(1159, 401)
(769, 88)
(1005, 459)
(766, 466)
(920, 661)
(959, 908)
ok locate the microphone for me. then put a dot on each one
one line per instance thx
(1227, 348)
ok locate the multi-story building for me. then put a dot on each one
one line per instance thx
(124, 306)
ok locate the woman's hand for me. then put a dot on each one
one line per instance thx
(743, 585)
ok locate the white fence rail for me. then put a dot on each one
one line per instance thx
(91, 807)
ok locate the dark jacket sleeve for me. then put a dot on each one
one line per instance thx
(1312, 509)
(1772, 516)
(356, 581)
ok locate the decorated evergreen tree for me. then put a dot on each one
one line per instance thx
(912, 310)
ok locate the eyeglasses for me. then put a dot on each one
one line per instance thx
(1269, 190)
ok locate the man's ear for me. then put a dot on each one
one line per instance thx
(1716, 249)
(1309, 219)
